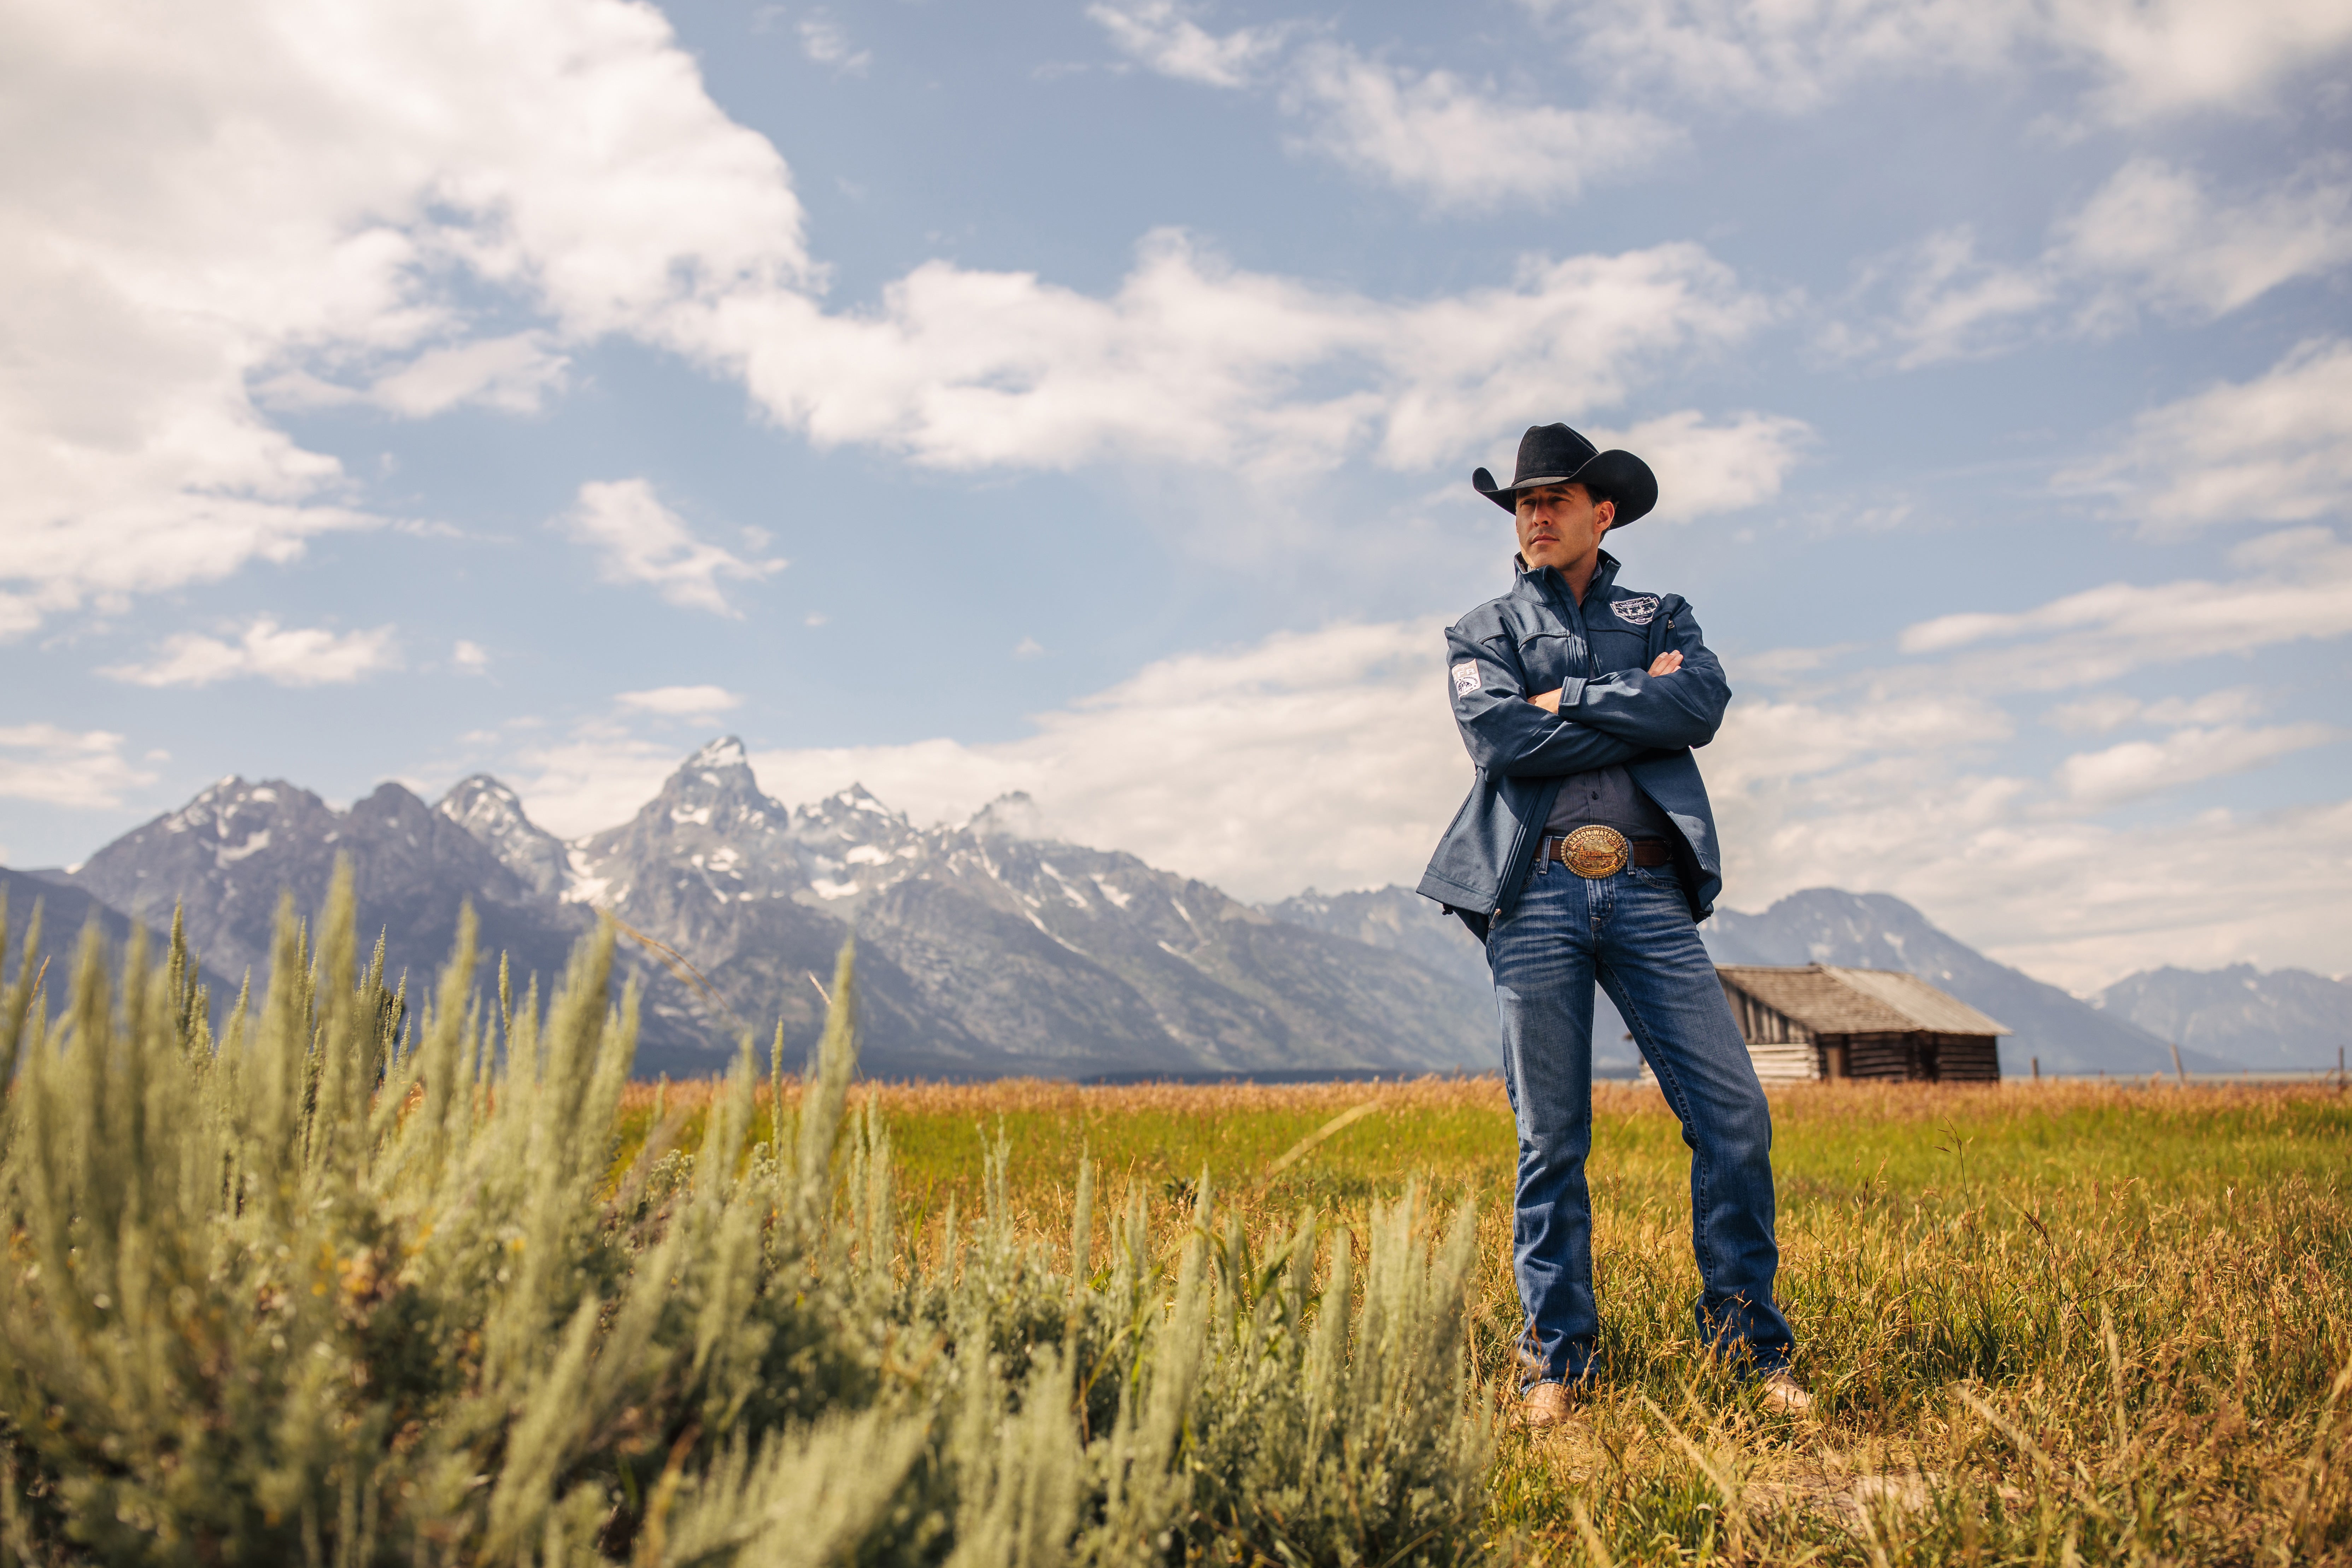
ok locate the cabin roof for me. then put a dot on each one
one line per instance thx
(1828, 1000)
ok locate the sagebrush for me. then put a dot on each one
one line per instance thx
(359, 1278)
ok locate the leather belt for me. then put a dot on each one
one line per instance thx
(1593, 851)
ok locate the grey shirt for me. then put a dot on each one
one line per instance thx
(1607, 796)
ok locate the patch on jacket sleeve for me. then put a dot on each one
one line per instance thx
(1465, 678)
(1637, 612)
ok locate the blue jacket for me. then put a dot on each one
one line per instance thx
(1536, 637)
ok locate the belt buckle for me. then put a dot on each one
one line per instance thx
(1594, 851)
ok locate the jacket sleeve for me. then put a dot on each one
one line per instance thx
(1506, 735)
(1657, 712)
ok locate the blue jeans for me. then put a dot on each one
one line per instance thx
(1631, 931)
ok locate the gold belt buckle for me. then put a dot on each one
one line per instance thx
(1593, 850)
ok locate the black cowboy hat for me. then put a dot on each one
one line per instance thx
(1556, 455)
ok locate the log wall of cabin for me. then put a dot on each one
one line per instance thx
(1967, 1059)
(1917, 1055)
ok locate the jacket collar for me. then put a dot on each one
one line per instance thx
(1546, 582)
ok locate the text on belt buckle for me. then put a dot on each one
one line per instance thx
(1593, 850)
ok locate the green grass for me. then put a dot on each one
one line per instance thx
(367, 1278)
(2044, 1322)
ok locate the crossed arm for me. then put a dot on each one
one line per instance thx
(1678, 701)
(1665, 663)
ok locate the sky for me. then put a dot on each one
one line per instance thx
(1081, 397)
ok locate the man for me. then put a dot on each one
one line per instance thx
(1585, 851)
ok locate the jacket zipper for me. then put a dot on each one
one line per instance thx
(1514, 872)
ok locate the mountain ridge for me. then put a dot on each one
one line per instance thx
(986, 947)
(2286, 1019)
(983, 953)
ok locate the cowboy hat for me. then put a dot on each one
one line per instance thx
(1556, 455)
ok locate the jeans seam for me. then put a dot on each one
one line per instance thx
(1645, 1035)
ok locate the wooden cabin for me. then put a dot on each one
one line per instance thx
(1819, 1021)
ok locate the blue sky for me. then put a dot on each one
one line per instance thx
(1081, 398)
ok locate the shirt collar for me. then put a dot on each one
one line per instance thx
(1604, 575)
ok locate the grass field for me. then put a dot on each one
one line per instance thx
(378, 1278)
(2048, 1322)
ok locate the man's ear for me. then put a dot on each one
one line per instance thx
(1607, 512)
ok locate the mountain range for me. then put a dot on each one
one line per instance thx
(2288, 1018)
(984, 948)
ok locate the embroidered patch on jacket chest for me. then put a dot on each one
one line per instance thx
(1465, 678)
(1639, 612)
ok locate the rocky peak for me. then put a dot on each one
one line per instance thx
(493, 813)
(850, 844)
(716, 756)
(712, 828)
(1011, 815)
(229, 815)
(228, 853)
(715, 788)
(226, 825)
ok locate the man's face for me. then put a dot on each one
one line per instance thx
(1559, 525)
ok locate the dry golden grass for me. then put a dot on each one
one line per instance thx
(2054, 1321)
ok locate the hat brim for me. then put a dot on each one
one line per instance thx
(1620, 475)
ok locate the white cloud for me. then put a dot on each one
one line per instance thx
(1791, 59)
(57, 766)
(2095, 714)
(1886, 774)
(1209, 763)
(680, 701)
(1164, 36)
(638, 540)
(276, 205)
(471, 658)
(590, 779)
(825, 40)
(1191, 361)
(2191, 253)
(513, 375)
(2230, 703)
(1454, 142)
(286, 656)
(2153, 238)
(1948, 303)
(2176, 55)
(1458, 143)
(2276, 448)
(2139, 59)
(2186, 756)
(1704, 467)
(2292, 585)
(214, 198)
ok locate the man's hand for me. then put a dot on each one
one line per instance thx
(1665, 664)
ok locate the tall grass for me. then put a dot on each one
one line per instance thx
(2046, 1323)
(373, 1277)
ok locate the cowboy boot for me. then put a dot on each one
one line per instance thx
(1544, 1406)
(1781, 1392)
